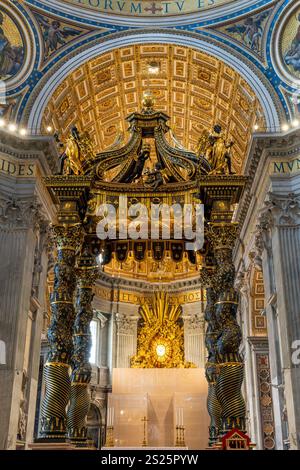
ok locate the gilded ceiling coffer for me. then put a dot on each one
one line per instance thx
(87, 273)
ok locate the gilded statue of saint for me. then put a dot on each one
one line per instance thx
(213, 146)
(70, 159)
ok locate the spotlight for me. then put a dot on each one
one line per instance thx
(285, 127)
(12, 127)
(49, 129)
(295, 123)
(255, 127)
(153, 68)
(2, 123)
(23, 131)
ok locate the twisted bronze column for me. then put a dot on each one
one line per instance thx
(66, 239)
(87, 273)
(230, 363)
(211, 368)
(228, 339)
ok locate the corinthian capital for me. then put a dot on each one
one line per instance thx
(21, 213)
(222, 235)
(125, 323)
(280, 210)
(66, 235)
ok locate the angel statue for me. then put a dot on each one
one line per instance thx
(213, 146)
(70, 161)
(54, 34)
(137, 170)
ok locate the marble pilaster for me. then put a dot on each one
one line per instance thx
(278, 245)
(194, 331)
(20, 223)
(126, 339)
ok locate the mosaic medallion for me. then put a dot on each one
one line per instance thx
(286, 45)
(12, 48)
(290, 45)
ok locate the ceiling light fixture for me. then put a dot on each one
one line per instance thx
(12, 127)
(153, 68)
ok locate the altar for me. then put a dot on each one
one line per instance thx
(146, 406)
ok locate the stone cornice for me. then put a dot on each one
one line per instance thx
(263, 148)
(40, 148)
(259, 343)
(109, 282)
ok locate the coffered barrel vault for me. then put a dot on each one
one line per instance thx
(195, 89)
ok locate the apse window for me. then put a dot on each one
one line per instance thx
(94, 333)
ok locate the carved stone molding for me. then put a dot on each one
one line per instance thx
(42, 149)
(102, 319)
(242, 281)
(274, 147)
(41, 247)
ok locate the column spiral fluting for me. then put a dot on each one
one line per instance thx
(79, 405)
(66, 240)
(225, 367)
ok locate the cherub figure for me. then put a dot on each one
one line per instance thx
(54, 34)
(154, 178)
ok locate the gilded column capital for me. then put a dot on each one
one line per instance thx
(66, 236)
(222, 235)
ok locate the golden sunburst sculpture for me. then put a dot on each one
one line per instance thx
(161, 338)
